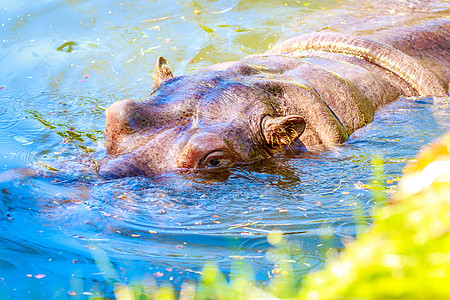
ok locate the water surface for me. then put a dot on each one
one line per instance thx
(62, 63)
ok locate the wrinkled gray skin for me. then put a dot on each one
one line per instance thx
(309, 91)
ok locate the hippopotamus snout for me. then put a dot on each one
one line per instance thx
(145, 156)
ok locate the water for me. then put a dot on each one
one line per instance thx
(63, 62)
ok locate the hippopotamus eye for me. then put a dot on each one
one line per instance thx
(215, 159)
(214, 163)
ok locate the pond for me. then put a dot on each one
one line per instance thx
(62, 63)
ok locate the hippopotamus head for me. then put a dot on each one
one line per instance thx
(203, 121)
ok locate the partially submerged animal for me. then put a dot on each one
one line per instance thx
(310, 90)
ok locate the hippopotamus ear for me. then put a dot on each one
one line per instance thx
(282, 131)
(162, 71)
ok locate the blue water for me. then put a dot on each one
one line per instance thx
(62, 63)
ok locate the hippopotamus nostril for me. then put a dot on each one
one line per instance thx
(118, 117)
(125, 118)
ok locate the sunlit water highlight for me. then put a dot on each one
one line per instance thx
(63, 62)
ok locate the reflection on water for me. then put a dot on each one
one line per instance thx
(57, 77)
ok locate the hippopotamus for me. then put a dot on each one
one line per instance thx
(307, 92)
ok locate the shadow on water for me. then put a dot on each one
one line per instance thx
(58, 75)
